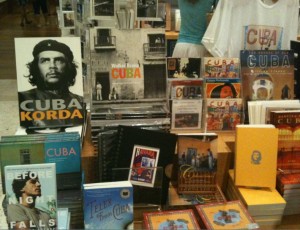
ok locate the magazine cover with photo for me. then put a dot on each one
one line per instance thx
(31, 196)
(183, 68)
(49, 80)
(143, 165)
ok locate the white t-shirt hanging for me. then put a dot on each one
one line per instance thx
(252, 25)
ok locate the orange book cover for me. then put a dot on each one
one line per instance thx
(256, 155)
(225, 215)
(176, 219)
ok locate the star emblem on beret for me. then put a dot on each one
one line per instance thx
(49, 44)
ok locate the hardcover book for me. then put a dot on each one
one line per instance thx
(63, 149)
(256, 156)
(197, 162)
(267, 74)
(223, 114)
(31, 196)
(53, 98)
(186, 114)
(129, 137)
(176, 219)
(183, 68)
(225, 215)
(217, 67)
(108, 205)
(288, 124)
(143, 165)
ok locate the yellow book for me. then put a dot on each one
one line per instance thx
(256, 155)
(259, 201)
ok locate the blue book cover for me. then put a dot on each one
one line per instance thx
(66, 155)
(31, 196)
(108, 205)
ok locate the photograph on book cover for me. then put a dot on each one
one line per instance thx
(49, 81)
(217, 67)
(223, 88)
(31, 196)
(267, 74)
(186, 114)
(120, 73)
(183, 68)
(223, 114)
(143, 165)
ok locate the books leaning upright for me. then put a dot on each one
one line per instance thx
(31, 196)
(108, 205)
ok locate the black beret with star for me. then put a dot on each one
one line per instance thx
(53, 45)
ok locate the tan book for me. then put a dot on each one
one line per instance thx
(256, 155)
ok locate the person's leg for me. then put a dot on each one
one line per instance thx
(36, 10)
(44, 8)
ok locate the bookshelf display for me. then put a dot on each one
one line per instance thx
(93, 22)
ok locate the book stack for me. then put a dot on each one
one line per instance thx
(71, 199)
(288, 186)
(64, 149)
(288, 161)
(265, 205)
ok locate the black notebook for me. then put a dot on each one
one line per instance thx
(128, 138)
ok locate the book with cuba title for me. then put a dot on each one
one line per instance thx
(31, 196)
(108, 205)
(50, 86)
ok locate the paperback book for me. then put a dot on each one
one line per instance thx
(185, 89)
(143, 165)
(217, 67)
(186, 114)
(223, 114)
(108, 205)
(223, 88)
(50, 103)
(63, 149)
(176, 219)
(183, 68)
(267, 74)
(31, 196)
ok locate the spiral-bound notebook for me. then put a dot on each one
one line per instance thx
(128, 138)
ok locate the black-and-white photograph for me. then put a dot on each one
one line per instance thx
(104, 8)
(146, 9)
(49, 79)
(68, 19)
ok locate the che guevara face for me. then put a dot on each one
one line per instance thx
(52, 65)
